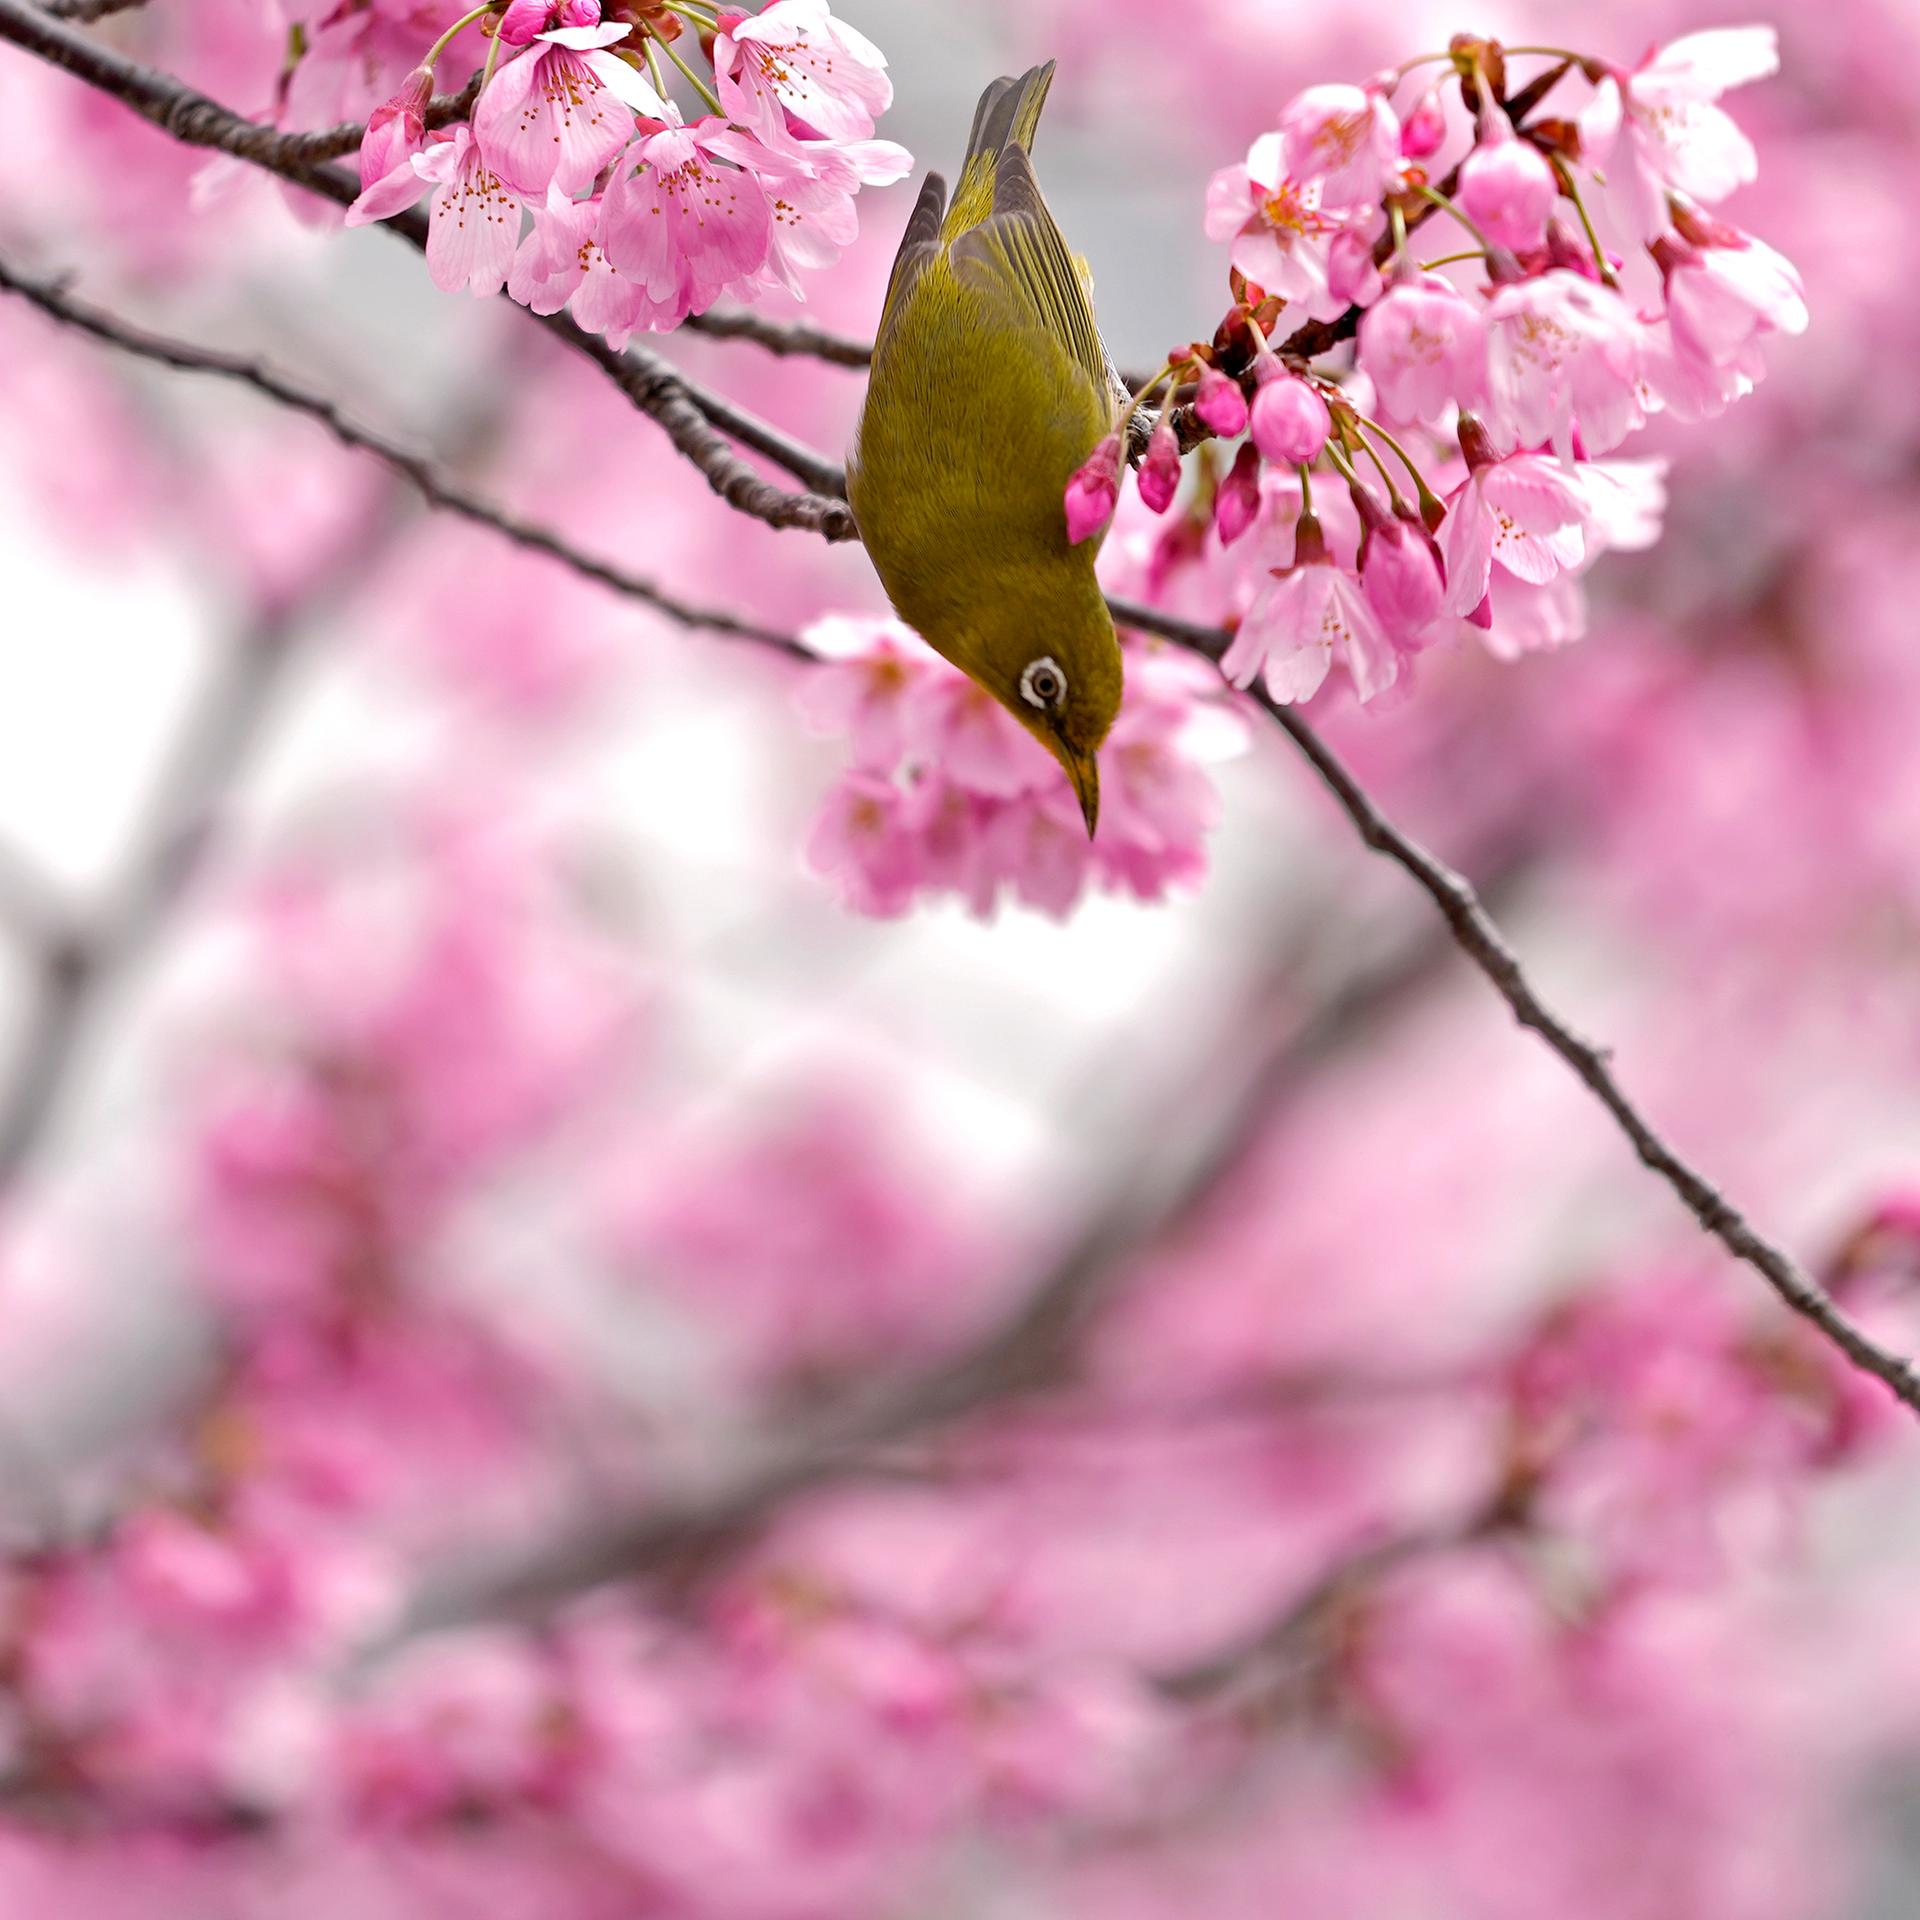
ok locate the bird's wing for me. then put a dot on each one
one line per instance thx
(1017, 255)
(919, 244)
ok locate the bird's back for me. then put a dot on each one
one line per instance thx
(989, 387)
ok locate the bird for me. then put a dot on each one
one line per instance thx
(989, 387)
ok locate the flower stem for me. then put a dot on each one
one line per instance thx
(699, 86)
(1571, 188)
(1453, 259)
(1434, 197)
(453, 32)
(1426, 493)
(1380, 466)
(1305, 471)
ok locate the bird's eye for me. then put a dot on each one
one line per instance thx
(1043, 685)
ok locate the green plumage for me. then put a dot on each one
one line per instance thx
(989, 388)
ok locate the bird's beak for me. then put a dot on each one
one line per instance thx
(1084, 772)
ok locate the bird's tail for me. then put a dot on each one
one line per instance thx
(1008, 113)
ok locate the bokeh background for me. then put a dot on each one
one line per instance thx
(546, 1366)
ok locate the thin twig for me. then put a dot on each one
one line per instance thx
(76, 969)
(785, 338)
(335, 143)
(1257, 1060)
(82, 11)
(51, 298)
(1486, 946)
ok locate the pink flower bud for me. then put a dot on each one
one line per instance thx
(1507, 188)
(525, 19)
(1160, 471)
(1425, 129)
(1094, 491)
(1290, 421)
(1220, 403)
(580, 13)
(396, 129)
(1237, 505)
(1401, 572)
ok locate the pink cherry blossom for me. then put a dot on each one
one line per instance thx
(396, 131)
(1507, 188)
(1726, 293)
(1289, 421)
(559, 113)
(794, 69)
(1310, 615)
(1678, 137)
(1279, 233)
(810, 187)
(473, 224)
(561, 263)
(1523, 511)
(1423, 344)
(681, 226)
(1345, 139)
(869, 669)
(1563, 355)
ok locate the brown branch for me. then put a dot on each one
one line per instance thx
(784, 338)
(335, 143)
(83, 11)
(1486, 946)
(51, 298)
(686, 411)
(1260, 1059)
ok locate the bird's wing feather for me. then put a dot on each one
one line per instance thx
(1017, 254)
(918, 245)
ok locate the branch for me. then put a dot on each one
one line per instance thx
(687, 412)
(335, 143)
(78, 964)
(784, 338)
(1259, 1060)
(1486, 946)
(86, 10)
(434, 487)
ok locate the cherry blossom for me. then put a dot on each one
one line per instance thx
(561, 112)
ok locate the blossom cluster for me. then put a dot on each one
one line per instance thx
(946, 795)
(1456, 473)
(635, 217)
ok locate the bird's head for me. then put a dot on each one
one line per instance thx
(1061, 679)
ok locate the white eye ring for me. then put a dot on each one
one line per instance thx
(1043, 685)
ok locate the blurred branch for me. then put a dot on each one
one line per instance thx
(1250, 1660)
(1475, 932)
(1260, 1059)
(49, 295)
(784, 338)
(695, 421)
(84, 961)
(83, 11)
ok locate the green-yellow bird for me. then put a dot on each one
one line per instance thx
(990, 386)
